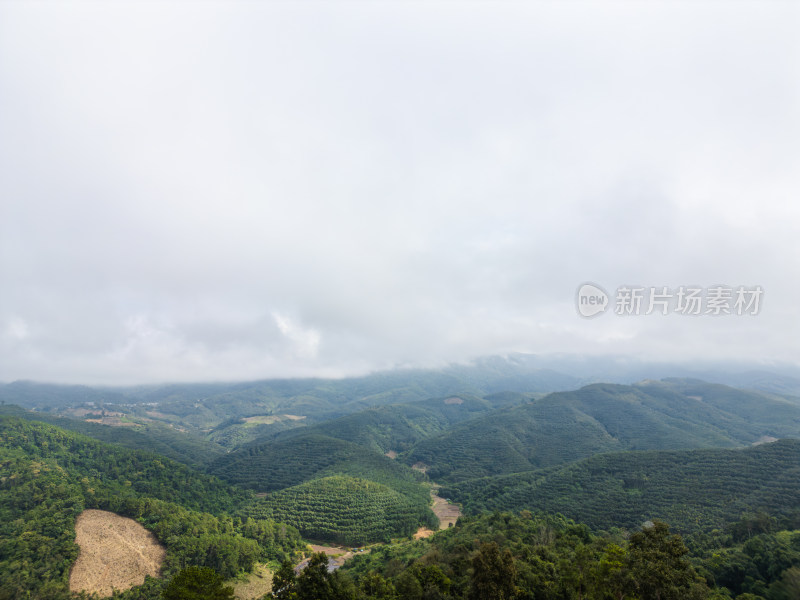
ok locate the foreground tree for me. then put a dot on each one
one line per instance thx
(313, 583)
(493, 574)
(197, 583)
(284, 583)
(658, 565)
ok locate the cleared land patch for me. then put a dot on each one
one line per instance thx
(116, 553)
(446, 512)
(257, 584)
(112, 421)
(270, 419)
(337, 554)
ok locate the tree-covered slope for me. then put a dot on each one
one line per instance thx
(284, 463)
(203, 406)
(567, 426)
(397, 427)
(507, 556)
(345, 510)
(691, 489)
(764, 413)
(511, 440)
(183, 447)
(49, 475)
(143, 473)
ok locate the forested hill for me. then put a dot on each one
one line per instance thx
(131, 471)
(692, 489)
(397, 427)
(546, 557)
(205, 405)
(567, 426)
(285, 463)
(331, 489)
(48, 476)
(184, 447)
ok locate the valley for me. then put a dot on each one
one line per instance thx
(242, 493)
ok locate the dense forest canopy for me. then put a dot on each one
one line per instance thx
(575, 494)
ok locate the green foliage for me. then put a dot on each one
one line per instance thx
(545, 557)
(764, 564)
(204, 406)
(197, 583)
(493, 574)
(237, 432)
(315, 582)
(331, 489)
(567, 426)
(331, 480)
(694, 489)
(48, 476)
(506, 556)
(345, 510)
(398, 427)
(130, 472)
(182, 447)
(285, 463)
(658, 564)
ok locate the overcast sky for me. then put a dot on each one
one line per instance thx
(240, 190)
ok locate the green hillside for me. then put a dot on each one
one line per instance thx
(511, 440)
(289, 462)
(771, 415)
(547, 557)
(48, 476)
(567, 426)
(253, 429)
(541, 557)
(205, 406)
(182, 447)
(130, 472)
(345, 510)
(692, 489)
(397, 427)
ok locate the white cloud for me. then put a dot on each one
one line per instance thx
(17, 329)
(313, 188)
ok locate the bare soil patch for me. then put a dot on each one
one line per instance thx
(115, 553)
(329, 550)
(765, 439)
(262, 419)
(448, 513)
(159, 415)
(453, 400)
(391, 454)
(420, 466)
(337, 554)
(112, 421)
(82, 412)
(270, 419)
